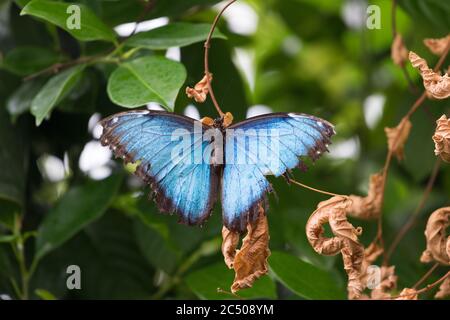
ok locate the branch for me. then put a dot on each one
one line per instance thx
(206, 60)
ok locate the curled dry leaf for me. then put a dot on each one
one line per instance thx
(397, 137)
(200, 90)
(436, 238)
(408, 294)
(345, 240)
(387, 284)
(444, 289)
(436, 85)
(368, 207)
(437, 46)
(230, 241)
(441, 138)
(250, 262)
(399, 53)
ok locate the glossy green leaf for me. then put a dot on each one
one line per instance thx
(178, 34)
(28, 59)
(20, 101)
(64, 15)
(146, 79)
(76, 209)
(303, 278)
(156, 245)
(54, 91)
(205, 282)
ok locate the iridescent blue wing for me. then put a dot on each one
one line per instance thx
(270, 144)
(181, 183)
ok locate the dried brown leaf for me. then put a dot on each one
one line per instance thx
(230, 240)
(399, 53)
(200, 90)
(444, 289)
(436, 85)
(437, 241)
(397, 137)
(227, 119)
(368, 207)
(408, 294)
(387, 284)
(207, 120)
(333, 211)
(437, 46)
(441, 138)
(250, 261)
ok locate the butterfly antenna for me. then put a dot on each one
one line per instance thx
(313, 189)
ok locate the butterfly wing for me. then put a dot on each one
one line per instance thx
(265, 145)
(181, 183)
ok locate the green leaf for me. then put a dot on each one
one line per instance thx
(146, 79)
(44, 294)
(28, 59)
(303, 278)
(21, 99)
(178, 34)
(76, 209)
(205, 282)
(13, 169)
(60, 13)
(54, 91)
(156, 246)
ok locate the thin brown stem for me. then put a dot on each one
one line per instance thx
(425, 289)
(411, 85)
(414, 108)
(413, 218)
(313, 189)
(206, 60)
(426, 275)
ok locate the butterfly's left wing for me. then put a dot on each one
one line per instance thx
(265, 145)
(185, 182)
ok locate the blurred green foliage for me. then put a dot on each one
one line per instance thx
(305, 55)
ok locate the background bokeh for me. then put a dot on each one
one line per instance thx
(311, 56)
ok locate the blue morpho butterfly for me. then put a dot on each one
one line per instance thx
(187, 162)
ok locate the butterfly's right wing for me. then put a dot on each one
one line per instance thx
(167, 148)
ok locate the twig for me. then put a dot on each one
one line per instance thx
(148, 6)
(425, 289)
(206, 60)
(411, 85)
(426, 275)
(414, 107)
(313, 189)
(413, 218)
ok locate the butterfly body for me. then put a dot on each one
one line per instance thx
(188, 163)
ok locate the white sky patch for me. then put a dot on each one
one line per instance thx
(353, 12)
(241, 18)
(52, 168)
(94, 160)
(154, 106)
(373, 109)
(192, 112)
(347, 149)
(124, 30)
(243, 59)
(257, 110)
(174, 53)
